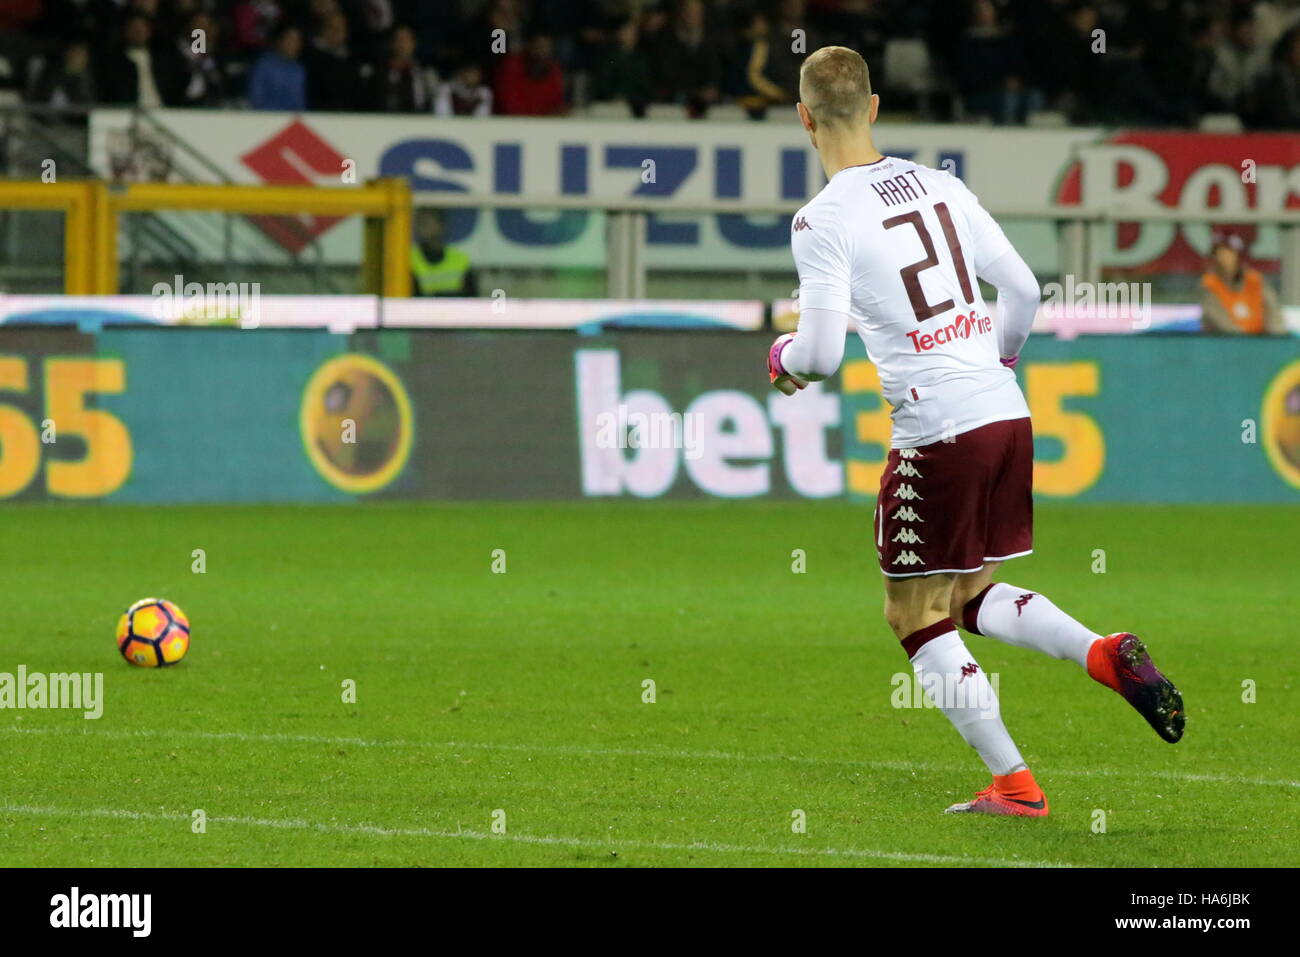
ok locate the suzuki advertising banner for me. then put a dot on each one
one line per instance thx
(158, 414)
(678, 164)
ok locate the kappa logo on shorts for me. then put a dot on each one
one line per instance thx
(908, 453)
(905, 513)
(908, 557)
(1022, 601)
(908, 469)
(968, 670)
(909, 494)
(908, 537)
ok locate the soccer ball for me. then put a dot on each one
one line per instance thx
(153, 633)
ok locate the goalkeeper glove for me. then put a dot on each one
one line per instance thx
(784, 382)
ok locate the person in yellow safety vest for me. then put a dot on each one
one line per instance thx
(1235, 299)
(436, 268)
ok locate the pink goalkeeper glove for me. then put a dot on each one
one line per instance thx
(1009, 363)
(784, 382)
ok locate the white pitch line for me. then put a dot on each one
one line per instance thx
(293, 824)
(1192, 778)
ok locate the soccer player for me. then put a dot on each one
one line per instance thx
(895, 248)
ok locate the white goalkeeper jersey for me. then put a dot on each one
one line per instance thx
(896, 246)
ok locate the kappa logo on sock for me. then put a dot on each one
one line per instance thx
(1022, 601)
(967, 670)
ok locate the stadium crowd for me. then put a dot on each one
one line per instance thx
(1149, 62)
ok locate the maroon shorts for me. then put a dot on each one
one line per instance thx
(952, 506)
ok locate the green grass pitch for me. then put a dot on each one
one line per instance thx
(522, 692)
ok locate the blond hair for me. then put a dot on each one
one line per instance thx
(835, 86)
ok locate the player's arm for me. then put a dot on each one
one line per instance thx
(815, 349)
(811, 353)
(998, 264)
(1018, 297)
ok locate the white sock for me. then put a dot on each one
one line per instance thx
(960, 689)
(1027, 619)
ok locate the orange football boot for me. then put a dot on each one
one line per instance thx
(1120, 662)
(1010, 795)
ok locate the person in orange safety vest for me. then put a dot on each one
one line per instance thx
(1235, 299)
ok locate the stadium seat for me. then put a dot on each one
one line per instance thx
(1047, 119)
(665, 111)
(609, 110)
(908, 67)
(1220, 123)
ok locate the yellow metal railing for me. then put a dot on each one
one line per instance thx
(82, 205)
(92, 212)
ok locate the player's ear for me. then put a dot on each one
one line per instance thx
(875, 108)
(805, 118)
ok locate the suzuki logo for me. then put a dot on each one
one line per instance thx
(296, 156)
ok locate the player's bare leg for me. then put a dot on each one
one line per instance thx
(1029, 620)
(917, 610)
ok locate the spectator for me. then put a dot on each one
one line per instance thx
(531, 83)
(375, 25)
(1169, 60)
(991, 67)
(758, 89)
(436, 268)
(128, 71)
(1238, 64)
(16, 15)
(255, 24)
(503, 16)
(189, 72)
(689, 62)
(1235, 300)
(318, 11)
(166, 19)
(1207, 34)
(1279, 93)
(70, 83)
(1048, 42)
(335, 81)
(1165, 61)
(465, 94)
(278, 81)
(401, 83)
(1084, 85)
(625, 71)
(784, 59)
(68, 19)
